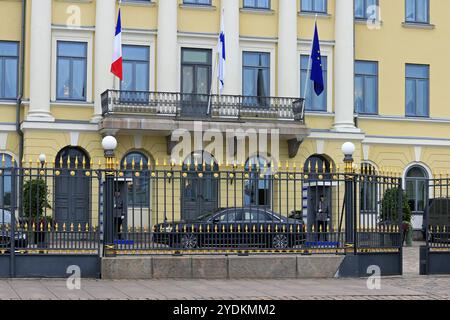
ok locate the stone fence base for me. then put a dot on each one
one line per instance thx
(221, 267)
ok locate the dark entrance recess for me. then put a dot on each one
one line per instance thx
(72, 187)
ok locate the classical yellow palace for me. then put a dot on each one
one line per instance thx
(384, 62)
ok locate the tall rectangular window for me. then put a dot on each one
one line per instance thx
(365, 9)
(257, 4)
(135, 68)
(366, 87)
(71, 71)
(256, 78)
(319, 6)
(313, 101)
(9, 64)
(417, 90)
(417, 11)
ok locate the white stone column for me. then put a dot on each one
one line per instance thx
(40, 61)
(288, 83)
(105, 23)
(167, 52)
(344, 55)
(233, 72)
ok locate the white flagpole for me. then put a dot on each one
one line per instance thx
(308, 71)
(211, 85)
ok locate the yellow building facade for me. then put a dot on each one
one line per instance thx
(402, 120)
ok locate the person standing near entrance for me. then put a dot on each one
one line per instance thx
(322, 216)
(119, 214)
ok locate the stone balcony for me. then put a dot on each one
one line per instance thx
(160, 113)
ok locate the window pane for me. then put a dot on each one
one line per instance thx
(365, 67)
(359, 94)
(63, 81)
(307, 5)
(142, 71)
(71, 49)
(359, 9)
(188, 79)
(370, 86)
(410, 97)
(422, 97)
(197, 56)
(249, 83)
(127, 83)
(417, 71)
(320, 5)
(10, 49)
(10, 81)
(202, 80)
(422, 10)
(79, 79)
(410, 10)
(139, 53)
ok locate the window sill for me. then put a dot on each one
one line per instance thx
(413, 25)
(138, 3)
(320, 15)
(78, 1)
(257, 11)
(8, 102)
(368, 21)
(417, 117)
(198, 7)
(71, 103)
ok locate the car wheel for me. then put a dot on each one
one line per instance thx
(280, 241)
(189, 241)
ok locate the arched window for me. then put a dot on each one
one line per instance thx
(138, 193)
(6, 181)
(257, 190)
(416, 184)
(368, 189)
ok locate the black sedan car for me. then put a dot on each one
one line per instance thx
(20, 239)
(232, 228)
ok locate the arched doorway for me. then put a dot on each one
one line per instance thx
(319, 184)
(200, 193)
(257, 189)
(416, 184)
(72, 192)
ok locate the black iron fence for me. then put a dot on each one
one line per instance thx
(436, 224)
(197, 209)
(184, 105)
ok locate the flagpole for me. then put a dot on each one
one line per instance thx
(308, 71)
(211, 85)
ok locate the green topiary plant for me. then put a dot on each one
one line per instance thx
(35, 194)
(389, 206)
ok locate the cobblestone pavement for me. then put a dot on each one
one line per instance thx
(409, 286)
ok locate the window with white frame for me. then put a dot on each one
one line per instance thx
(71, 73)
(314, 6)
(313, 101)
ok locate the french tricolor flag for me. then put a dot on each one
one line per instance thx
(117, 65)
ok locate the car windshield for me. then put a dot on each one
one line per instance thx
(204, 217)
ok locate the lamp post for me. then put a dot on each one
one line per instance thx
(109, 144)
(348, 149)
(42, 159)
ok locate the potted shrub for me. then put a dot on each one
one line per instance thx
(35, 194)
(389, 212)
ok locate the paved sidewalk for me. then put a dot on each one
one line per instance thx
(330, 289)
(410, 286)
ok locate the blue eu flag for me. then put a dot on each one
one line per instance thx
(316, 66)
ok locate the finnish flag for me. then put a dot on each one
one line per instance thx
(222, 54)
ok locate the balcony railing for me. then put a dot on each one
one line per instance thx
(198, 106)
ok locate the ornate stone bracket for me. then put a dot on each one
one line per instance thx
(293, 146)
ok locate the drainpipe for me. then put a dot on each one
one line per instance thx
(21, 82)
